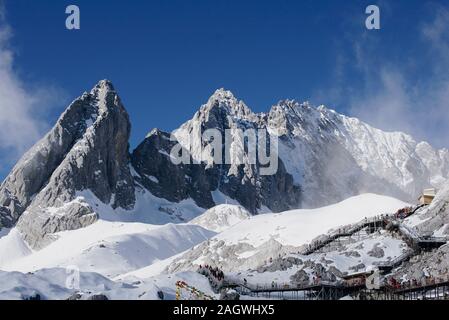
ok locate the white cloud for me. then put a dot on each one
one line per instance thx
(21, 106)
(410, 94)
(386, 105)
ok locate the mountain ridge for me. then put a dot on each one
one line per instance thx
(324, 157)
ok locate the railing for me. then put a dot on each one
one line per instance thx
(396, 261)
(423, 284)
(343, 232)
(382, 220)
(276, 287)
(348, 230)
(418, 238)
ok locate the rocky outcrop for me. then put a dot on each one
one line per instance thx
(164, 179)
(434, 264)
(99, 297)
(376, 251)
(36, 167)
(334, 157)
(239, 181)
(435, 217)
(38, 225)
(229, 294)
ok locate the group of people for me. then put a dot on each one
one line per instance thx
(393, 283)
(316, 279)
(403, 213)
(414, 283)
(210, 271)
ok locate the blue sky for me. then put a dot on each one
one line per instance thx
(166, 57)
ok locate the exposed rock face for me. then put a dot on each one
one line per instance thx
(86, 149)
(333, 156)
(327, 274)
(229, 295)
(38, 225)
(434, 264)
(101, 297)
(242, 182)
(435, 217)
(231, 257)
(376, 251)
(324, 157)
(301, 277)
(164, 179)
(280, 264)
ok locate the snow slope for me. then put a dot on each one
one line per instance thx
(148, 208)
(128, 260)
(218, 219)
(52, 284)
(334, 156)
(298, 227)
(108, 248)
(251, 242)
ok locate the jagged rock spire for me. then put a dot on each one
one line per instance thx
(87, 149)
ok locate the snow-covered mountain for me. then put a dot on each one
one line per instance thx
(402, 245)
(82, 170)
(431, 221)
(87, 149)
(342, 156)
(127, 260)
(252, 242)
(330, 156)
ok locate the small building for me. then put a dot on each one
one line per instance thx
(427, 196)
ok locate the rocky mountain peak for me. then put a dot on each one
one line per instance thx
(295, 110)
(224, 101)
(287, 104)
(87, 150)
(104, 84)
(223, 94)
(156, 132)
